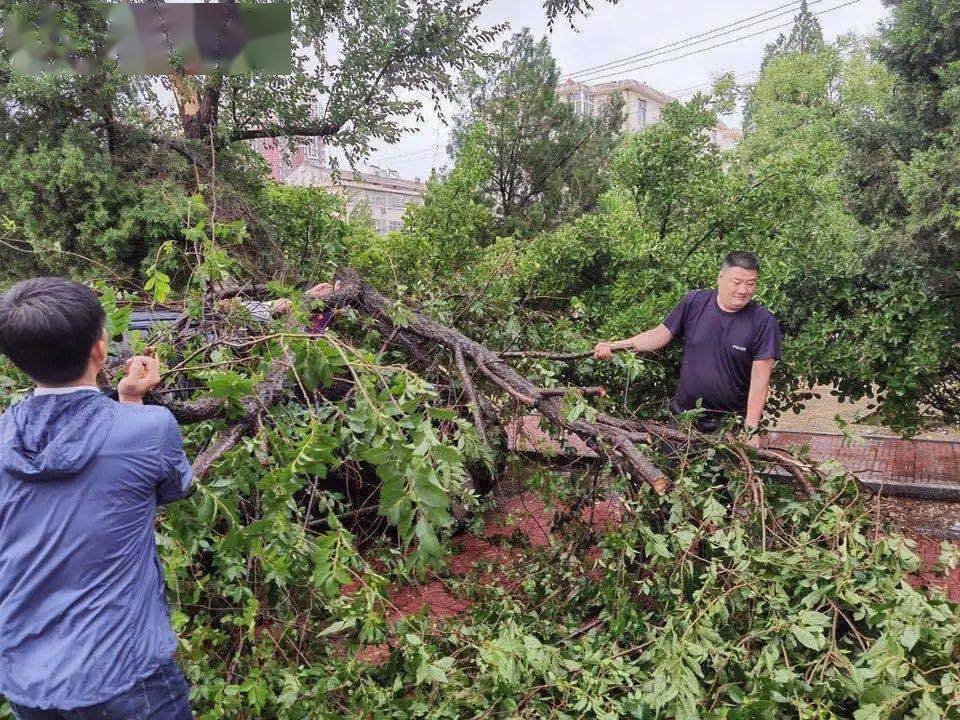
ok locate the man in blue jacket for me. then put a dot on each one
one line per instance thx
(84, 623)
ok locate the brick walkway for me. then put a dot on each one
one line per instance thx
(928, 469)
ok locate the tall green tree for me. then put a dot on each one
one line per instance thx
(904, 166)
(549, 163)
(806, 36)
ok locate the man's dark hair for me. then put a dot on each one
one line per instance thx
(48, 326)
(741, 259)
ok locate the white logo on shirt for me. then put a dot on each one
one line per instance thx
(740, 348)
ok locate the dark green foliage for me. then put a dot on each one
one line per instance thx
(806, 36)
(69, 210)
(855, 317)
(125, 144)
(904, 160)
(306, 230)
(548, 164)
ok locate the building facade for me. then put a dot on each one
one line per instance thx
(284, 161)
(383, 191)
(642, 105)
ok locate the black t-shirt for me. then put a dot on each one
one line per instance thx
(719, 348)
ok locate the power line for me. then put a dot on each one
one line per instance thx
(688, 90)
(701, 37)
(414, 160)
(429, 149)
(592, 76)
(713, 47)
(424, 153)
(411, 158)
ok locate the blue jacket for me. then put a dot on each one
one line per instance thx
(83, 609)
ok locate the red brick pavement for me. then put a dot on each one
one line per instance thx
(929, 552)
(912, 468)
(889, 464)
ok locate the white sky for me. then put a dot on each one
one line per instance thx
(612, 32)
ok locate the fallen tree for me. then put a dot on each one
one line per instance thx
(617, 440)
(328, 478)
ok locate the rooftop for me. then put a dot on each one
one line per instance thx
(314, 176)
(635, 85)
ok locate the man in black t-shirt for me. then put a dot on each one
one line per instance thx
(730, 345)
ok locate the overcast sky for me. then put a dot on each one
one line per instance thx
(613, 32)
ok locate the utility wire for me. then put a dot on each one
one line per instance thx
(423, 153)
(621, 71)
(700, 38)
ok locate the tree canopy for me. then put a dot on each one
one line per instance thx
(549, 164)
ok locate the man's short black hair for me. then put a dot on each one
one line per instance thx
(48, 326)
(741, 259)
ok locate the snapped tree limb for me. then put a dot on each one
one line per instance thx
(615, 439)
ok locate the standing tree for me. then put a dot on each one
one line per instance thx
(549, 162)
(805, 37)
(124, 137)
(904, 161)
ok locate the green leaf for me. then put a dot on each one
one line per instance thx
(338, 626)
(428, 544)
(805, 637)
(158, 283)
(908, 636)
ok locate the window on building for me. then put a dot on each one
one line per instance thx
(582, 103)
(377, 199)
(394, 225)
(642, 112)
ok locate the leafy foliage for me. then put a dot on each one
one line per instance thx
(806, 37)
(286, 562)
(68, 207)
(440, 237)
(871, 329)
(548, 163)
(904, 165)
(698, 617)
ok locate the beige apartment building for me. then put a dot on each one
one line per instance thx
(384, 191)
(642, 106)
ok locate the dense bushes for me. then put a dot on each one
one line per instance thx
(68, 208)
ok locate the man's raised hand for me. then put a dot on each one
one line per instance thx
(142, 376)
(603, 351)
